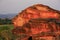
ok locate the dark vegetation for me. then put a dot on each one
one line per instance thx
(4, 21)
(6, 29)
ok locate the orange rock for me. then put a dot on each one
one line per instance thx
(35, 20)
(33, 12)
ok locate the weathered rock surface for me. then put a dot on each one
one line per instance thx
(39, 20)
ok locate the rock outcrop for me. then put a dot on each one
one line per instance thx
(39, 20)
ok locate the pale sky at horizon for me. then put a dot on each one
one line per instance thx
(15, 6)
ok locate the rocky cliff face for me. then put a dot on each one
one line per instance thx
(35, 11)
(39, 20)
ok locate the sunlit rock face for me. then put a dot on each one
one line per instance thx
(37, 22)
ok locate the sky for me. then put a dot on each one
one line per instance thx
(16, 6)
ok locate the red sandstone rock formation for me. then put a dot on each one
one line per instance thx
(36, 20)
(35, 11)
